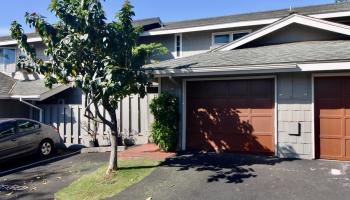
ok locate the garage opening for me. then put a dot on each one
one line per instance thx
(332, 118)
(231, 116)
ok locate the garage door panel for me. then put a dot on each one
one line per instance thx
(327, 87)
(346, 86)
(238, 88)
(330, 126)
(347, 106)
(347, 127)
(332, 117)
(330, 148)
(232, 142)
(262, 103)
(228, 123)
(262, 125)
(262, 88)
(347, 148)
(204, 89)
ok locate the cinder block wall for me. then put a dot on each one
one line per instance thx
(294, 115)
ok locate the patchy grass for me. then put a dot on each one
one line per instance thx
(97, 186)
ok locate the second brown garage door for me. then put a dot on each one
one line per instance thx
(231, 115)
(332, 117)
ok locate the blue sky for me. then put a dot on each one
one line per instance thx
(168, 10)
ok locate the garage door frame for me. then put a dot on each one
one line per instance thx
(184, 107)
(313, 76)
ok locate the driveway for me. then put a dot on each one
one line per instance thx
(230, 176)
(42, 180)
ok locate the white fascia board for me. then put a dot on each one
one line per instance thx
(254, 69)
(303, 20)
(13, 42)
(211, 27)
(27, 97)
(331, 15)
(225, 70)
(239, 24)
(334, 66)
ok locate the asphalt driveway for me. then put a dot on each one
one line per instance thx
(40, 181)
(230, 176)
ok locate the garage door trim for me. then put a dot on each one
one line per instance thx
(184, 107)
(313, 76)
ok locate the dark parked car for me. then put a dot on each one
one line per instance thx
(23, 136)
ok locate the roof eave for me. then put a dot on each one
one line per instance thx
(254, 69)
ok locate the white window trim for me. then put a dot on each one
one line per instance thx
(175, 46)
(16, 55)
(226, 32)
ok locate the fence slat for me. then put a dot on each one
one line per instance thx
(133, 117)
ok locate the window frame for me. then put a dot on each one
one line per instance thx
(4, 70)
(12, 134)
(175, 46)
(18, 132)
(231, 33)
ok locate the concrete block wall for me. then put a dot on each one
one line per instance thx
(294, 115)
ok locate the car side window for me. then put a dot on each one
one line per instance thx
(26, 125)
(7, 128)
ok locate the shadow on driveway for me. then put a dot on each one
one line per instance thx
(239, 176)
(232, 168)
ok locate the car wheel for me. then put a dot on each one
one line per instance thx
(46, 148)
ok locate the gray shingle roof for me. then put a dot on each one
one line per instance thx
(6, 84)
(299, 52)
(308, 10)
(35, 87)
(147, 21)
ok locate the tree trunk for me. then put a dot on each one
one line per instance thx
(113, 161)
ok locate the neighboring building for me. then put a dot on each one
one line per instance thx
(272, 82)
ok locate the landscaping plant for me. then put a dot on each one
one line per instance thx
(166, 118)
(101, 58)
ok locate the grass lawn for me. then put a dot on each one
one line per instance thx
(97, 186)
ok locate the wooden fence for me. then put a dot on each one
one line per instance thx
(133, 115)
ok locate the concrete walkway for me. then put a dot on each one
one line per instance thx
(148, 151)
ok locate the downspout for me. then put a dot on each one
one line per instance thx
(33, 106)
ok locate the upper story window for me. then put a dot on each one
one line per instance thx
(226, 37)
(178, 46)
(7, 60)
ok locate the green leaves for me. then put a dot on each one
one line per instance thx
(165, 126)
(101, 58)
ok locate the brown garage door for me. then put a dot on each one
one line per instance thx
(234, 116)
(332, 117)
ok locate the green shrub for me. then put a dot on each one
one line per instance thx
(166, 117)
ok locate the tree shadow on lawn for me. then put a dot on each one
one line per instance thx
(231, 168)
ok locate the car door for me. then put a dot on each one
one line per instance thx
(28, 135)
(8, 143)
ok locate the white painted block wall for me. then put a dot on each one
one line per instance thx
(294, 106)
